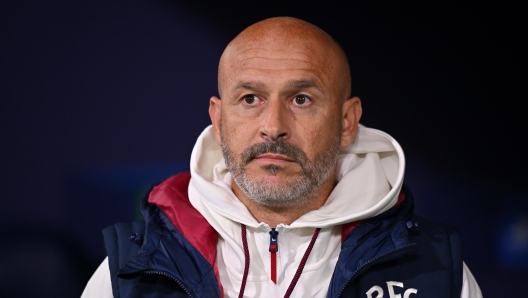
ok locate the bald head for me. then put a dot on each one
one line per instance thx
(286, 38)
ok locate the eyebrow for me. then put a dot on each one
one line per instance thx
(303, 84)
(292, 84)
(249, 85)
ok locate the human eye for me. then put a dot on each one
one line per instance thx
(301, 100)
(250, 100)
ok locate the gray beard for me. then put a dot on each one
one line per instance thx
(299, 192)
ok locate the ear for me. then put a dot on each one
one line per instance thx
(351, 114)
(215, 112)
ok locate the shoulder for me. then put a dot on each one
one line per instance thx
(122, 240)
(437, 240)
(400, 250)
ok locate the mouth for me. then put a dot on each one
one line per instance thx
(273, 158)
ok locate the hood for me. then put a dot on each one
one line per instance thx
(369, 177)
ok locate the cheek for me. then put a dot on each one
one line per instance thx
(236, 133)
(317, 136)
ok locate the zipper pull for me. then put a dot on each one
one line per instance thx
(273, 248)
(274, 245)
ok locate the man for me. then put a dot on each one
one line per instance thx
(287, 195)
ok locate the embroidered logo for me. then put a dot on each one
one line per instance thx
(390, 287)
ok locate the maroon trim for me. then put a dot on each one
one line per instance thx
(401, 198)
(171, 196)
(348, 227)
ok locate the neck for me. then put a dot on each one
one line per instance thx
(274, 216)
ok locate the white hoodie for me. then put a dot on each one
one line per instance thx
(370, 175)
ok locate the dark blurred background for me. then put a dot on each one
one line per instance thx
(101, 99)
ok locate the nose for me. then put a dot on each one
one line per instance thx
(275, 121)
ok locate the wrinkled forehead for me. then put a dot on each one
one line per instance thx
(271, 53)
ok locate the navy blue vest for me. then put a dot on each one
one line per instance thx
(392, 254)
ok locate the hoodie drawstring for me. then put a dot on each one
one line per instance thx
(246, 265)
(297, 273)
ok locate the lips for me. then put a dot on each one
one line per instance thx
(273, 157)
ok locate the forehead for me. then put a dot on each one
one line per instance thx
(273, 60)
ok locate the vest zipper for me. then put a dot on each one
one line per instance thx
(274, 248)
(169, 276)
(371, 261)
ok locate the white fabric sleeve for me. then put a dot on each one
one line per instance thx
(100, 284)
(470, 288)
